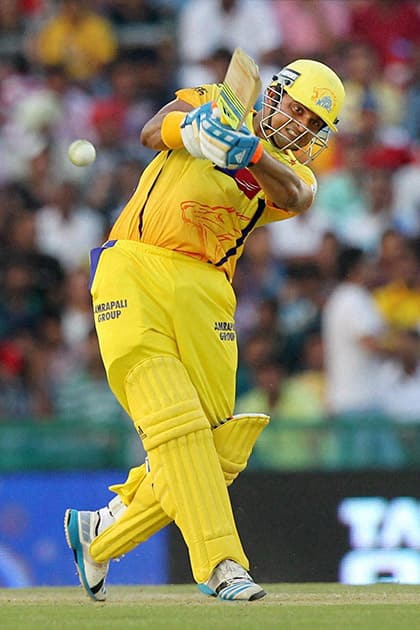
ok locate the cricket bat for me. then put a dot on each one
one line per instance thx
(240, 89)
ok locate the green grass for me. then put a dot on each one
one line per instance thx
(287, 607)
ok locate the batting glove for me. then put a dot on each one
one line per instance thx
(190, 129)
(228, 148)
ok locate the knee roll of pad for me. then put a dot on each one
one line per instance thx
(163, 402)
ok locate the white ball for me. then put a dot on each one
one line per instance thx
(82, 153)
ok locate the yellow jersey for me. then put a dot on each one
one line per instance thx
(399, 305)
(191, 206)
(82, 46)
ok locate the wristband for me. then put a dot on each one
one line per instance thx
(257, 154)
(170, 131)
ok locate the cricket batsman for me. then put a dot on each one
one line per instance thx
(164, 312)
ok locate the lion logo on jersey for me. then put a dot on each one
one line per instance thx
(217, 227)
(324, 98)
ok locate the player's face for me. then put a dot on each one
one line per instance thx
(301, 123)
(287, 123)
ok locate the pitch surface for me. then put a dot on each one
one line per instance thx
(288, 606)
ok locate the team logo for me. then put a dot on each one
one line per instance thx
(217, 227)
(324, 98)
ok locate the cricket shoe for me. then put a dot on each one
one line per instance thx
(229, 581)
(80, 529)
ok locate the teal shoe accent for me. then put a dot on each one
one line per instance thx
(206, 590)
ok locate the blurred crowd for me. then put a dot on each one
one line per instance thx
(328, 317)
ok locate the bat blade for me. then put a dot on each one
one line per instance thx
(240, 89)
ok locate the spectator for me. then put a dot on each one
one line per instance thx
(253, 352)
(67, 229)
(341, 198)
(367, 90)
(45, 271)
(20, 306)
(15, 198)
(300, 307)
(390, 248)
(356, 341)
(399, 299)
(353, 333)
(79, 39)
(366, 232)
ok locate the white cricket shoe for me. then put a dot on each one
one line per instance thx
(229, 581)
(80, 529)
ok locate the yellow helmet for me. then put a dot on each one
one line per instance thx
(314, 85)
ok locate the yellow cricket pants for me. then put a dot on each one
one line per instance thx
(166, 332)
(150, 302)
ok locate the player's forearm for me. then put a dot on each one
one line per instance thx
(150, 134)
(388, 343)
(281, 185)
